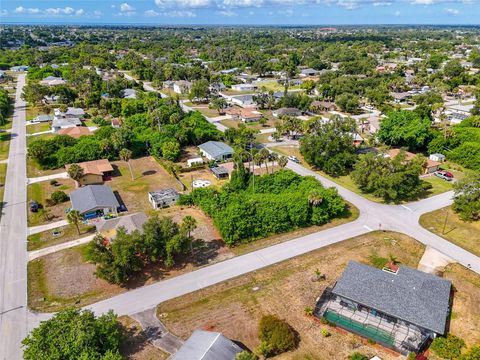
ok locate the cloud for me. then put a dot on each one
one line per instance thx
(22, 10)
(227, 13)
(3, 12)
(382, 3)
(242, 3)
(151, 13)
(79, 12)
(183, 3)
(397, 13)
(180, 14)
(97, 13)
(349, 4)
(126, 7)
(452, 11)
(60, 11)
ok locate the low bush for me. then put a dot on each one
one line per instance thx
(449, 347)
(59, 197)
(276, 336)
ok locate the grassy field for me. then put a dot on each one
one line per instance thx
(286, 289)
(67, 233)
(42, 191)
(33, 169)
(32, 129)
(254, 125)
(447, 224)
(33, 111)
(4, 145)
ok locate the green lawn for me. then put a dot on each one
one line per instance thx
(67, 233)
(34, 170)
(33, 111)
(447, 224)
(35, 128)
(3, 173)
(4, 145)
(439, 185)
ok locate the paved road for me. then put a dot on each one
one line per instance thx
(13, 233)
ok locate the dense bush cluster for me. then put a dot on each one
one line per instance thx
(5, 105)
(266, 205)
(276, 336)
(449, 347)
(75, 334)
(129, 253)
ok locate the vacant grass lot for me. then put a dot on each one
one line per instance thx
(286, 289)
(33, 169)
(64, 278)
(42, 191)
(253, 125)
(66, 233)
(39, 127)
(447, 224)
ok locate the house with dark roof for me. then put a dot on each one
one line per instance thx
(94, 200)
(398, 307)
(215, 150)
(207, 345)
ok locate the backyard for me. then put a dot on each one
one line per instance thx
(445, 223)
(286, 289)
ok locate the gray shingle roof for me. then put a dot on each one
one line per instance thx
(163, 194)
(130, 222)
(66, 122)
(93, 196)
(207, 345)
(411, 295)
(216, 148)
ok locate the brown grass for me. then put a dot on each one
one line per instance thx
(461, 233)
(235, 306)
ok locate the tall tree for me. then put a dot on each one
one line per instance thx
(74, 218)
(188, 225)
(126, 155)
(467, 197)
(75, 172)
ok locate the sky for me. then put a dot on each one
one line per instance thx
(237, 12)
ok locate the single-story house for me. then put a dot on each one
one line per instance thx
(43, 118)
(323, 105)
(94, 200)
(244, 87)
(63, 123)
(286, 112)
(71, 112)
(371, 125)
(308, 72)
(400, 97)
(19, 68)
(163, 198)
(398, 307)
(182, 86)
(132, 222)
(50, 99)
(52, 81)
(429, 167)
(94, 172)
(245, 115)
(437, 157)
(216, 150)
(129, 94)
(357, 139)
(207, 345)
(242, 100)
(194, 161)
(220, 172)
(116, 123)
(75, 132)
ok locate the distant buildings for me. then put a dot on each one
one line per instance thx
(182, 87)
(52, 81)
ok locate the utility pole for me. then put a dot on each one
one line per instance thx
(445, 223)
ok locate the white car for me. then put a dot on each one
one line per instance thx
(294, 159)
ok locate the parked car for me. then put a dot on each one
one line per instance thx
(294, 159)
(445, 175)
(33, 206)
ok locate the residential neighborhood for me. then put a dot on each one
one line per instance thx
(237, 193)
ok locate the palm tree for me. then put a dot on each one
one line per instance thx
(75, 172)
(315, 198)
(188, 225)
(257, 160)
(393, 259)
(274, 158)
(74, 218)
(282, 161)
(265, 155)
(126, 155)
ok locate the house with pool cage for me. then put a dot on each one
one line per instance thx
(398, 307)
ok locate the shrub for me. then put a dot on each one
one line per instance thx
(449, 347)
(246, 355)
(412, 356)
(308, 311)
(357, 356)
(53, 182)
(59, 197)
(326, 333)
(276, 336)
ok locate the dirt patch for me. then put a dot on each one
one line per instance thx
(433, 261)
(285, 290)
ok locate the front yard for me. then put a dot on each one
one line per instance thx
(42, 191)
(286, 289)
(58, 236)
(445, 223)
(38, 127)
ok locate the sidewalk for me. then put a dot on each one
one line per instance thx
(62, 175)
(32, 255)
(40, 228)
